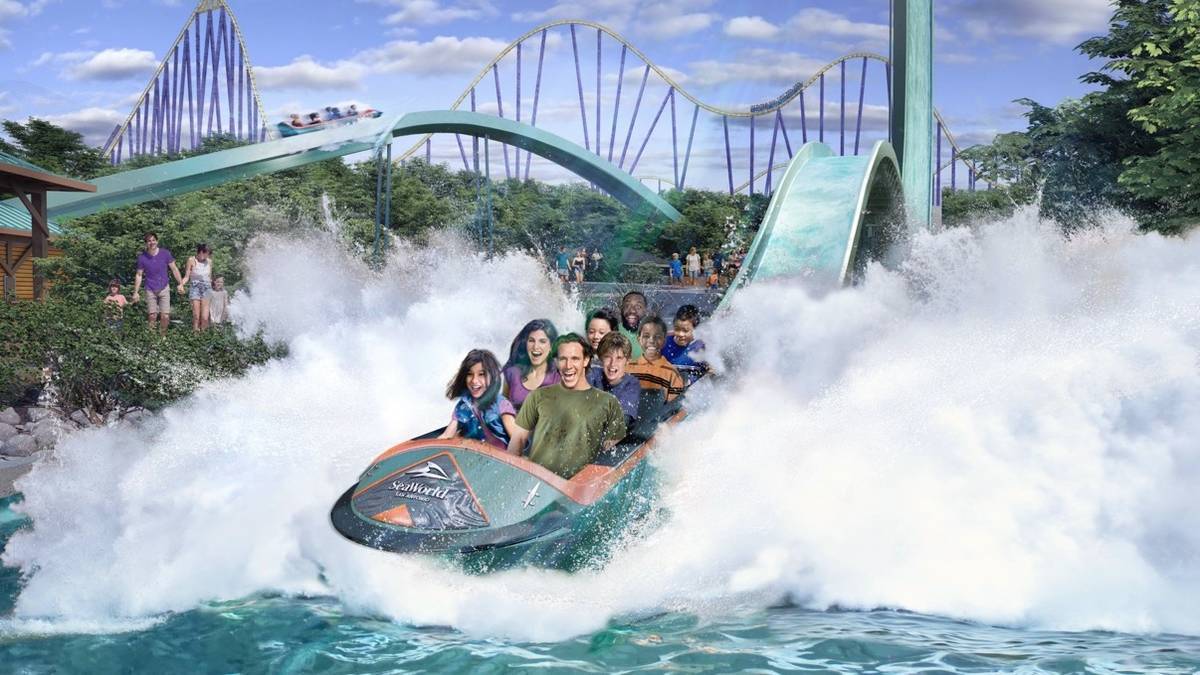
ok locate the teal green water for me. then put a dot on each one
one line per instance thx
(275, 634)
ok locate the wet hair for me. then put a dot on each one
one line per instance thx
(114, 282)
(148, 235)
(605, 313)
(518, 353)
(612, 342)
(201, 248)
(458, 385)
(689, 313)
(574, 338)
(653, 319)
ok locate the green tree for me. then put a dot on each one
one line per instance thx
(52, 148)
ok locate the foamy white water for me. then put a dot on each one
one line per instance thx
(1004, 430)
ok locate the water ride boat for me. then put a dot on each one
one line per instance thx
(287, 129)
(486, 509)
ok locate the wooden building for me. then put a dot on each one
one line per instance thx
(26, 233)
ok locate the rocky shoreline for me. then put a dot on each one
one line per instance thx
(28, 433)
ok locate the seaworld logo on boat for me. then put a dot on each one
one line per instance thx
(419, 491)
(430, 470)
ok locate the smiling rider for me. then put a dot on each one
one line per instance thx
(573, 421)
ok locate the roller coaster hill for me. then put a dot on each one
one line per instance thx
(837, 200)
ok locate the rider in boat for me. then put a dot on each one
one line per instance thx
(530, 361)
(480, 411)
(612, 376)
(295, 121)
(653, 369)
(633, 308)
(571, 422)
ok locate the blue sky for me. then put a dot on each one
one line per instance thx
(83, 64)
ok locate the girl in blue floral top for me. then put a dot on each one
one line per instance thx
(480, 412)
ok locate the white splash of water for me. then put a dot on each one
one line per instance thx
(1002, 431)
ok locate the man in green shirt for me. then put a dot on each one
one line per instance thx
(573, 420)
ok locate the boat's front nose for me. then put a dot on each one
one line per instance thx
(450, 496)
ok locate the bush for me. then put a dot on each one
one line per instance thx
(99, 362)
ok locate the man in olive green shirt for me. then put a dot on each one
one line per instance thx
(573, 420)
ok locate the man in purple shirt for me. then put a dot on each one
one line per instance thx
(153, 263)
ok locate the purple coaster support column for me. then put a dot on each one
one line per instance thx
(862, 93)
(842, 118)
(633, 120)
(146, 120)
(728, 155)
(953, 169)
(782, 127)
(674, 142)
(771, 155)
(579, 86)
(241, 88)
(201, 80)
(228, 42)
(687, 155)
(537, 90)
(821, 122)
(670, 91)
(462, 151)
(599, 33)
(971, 179)
(612, 136)
(752, 155)
(803, 122)
(500, 111)
(178, 98)
(191, 103)
(429, 151)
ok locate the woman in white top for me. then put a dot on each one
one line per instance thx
(197, 278)
(693, 266)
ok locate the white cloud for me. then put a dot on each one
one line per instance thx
(96, 124)
(306, 73)
(5, 104)
(442, 55)
(11, 9)
(824, 24)
(614, 13)
(429, 12)
(661, 18)
(756, 65)
(1053, 21)
(112, 64)
(751, 28)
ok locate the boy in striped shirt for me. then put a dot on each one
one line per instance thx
(652, 369)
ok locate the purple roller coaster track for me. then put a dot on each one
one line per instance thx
(188, 100)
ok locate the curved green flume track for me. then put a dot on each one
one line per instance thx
(196, 173)
(830, 215)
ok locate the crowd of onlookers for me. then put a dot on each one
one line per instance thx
(204, 288)
(576, 268)
(570, 397)
(711, 270)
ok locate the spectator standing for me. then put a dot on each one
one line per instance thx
(707, 264)
(114, 304)
(578, 264)
(676, 270)
(153, 264)
(561, 262)
(197, 278)
(693, 267)
(597, 259)
(218, 302)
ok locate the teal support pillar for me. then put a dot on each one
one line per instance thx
(912, 104)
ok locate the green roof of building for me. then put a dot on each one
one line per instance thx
(15, 216)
